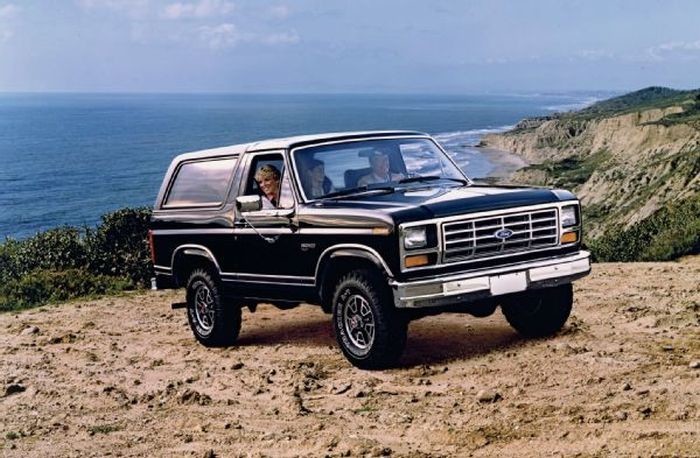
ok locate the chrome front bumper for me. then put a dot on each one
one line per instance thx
(491, 282)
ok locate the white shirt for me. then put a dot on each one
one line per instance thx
(372, 178)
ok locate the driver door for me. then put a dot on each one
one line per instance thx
(266, 239)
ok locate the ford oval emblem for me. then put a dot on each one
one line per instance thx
(503, 234)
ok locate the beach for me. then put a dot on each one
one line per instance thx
(504, 163)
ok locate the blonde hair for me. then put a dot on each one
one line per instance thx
(267, 171)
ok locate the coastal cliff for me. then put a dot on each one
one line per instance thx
(634, 161)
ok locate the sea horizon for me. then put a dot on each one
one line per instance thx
(68, 158)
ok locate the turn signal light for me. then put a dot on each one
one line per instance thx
(380, 231)
(151, 248)
(569, 237)
(417, 260)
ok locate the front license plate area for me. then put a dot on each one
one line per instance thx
(508, 283)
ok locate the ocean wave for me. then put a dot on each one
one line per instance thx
(468, 137)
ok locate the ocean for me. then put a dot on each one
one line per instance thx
(66, 159)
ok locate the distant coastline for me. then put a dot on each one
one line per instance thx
(67, 159)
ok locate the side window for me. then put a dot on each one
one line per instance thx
(201, 183)
(268, 178)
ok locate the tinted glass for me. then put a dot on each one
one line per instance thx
(201, 183)
(326, 169)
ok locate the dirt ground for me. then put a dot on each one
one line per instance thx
(124, 377)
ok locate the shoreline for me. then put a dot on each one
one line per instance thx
(505, 163)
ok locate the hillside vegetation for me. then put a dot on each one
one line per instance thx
(68, 262)
(634, 161)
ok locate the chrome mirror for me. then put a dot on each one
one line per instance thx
(246, 204)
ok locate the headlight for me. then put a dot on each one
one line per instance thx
(414, 237)
(569, 216)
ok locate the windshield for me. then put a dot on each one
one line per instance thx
(341, 169)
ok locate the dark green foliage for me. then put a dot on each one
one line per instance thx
(56, 249)
(644, 99)
(671, 232)
(690, 114)
(67, 262)
(573, 171)
(119, 246)
(43, 286)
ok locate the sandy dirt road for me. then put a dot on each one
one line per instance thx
(124, 377)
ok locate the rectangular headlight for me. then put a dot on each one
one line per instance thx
(414, 237)
(569, 216)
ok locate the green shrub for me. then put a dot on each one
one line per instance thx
(55, 249)
(119, 246)
(44, 286)
(9, 266)
(671, 232)
(68, 262)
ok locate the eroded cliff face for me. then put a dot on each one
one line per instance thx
(623, 168)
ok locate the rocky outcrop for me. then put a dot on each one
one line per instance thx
(623, 167)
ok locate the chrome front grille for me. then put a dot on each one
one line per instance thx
(476, 238)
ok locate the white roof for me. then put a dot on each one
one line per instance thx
(289, 142)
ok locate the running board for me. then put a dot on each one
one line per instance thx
(178, 305)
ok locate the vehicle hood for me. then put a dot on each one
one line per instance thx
(418, 203)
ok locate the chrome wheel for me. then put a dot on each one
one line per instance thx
(204, 308)
(358, 321)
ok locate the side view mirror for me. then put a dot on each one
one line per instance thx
(248, 203)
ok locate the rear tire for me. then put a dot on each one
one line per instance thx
(370, 332)
(213, 322)
(539, 313)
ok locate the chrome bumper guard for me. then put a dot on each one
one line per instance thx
(496, 281)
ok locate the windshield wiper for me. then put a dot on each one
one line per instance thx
(358, 190)
(431, 178)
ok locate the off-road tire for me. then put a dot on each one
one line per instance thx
(214, 323)
(362, 305)
(539, 313)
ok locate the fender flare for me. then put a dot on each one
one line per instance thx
(351, 251)
(193, 250)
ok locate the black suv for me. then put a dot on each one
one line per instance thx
(378, 228)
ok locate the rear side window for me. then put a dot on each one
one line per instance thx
(201, 184)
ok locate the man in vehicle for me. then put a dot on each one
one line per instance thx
(379, 162)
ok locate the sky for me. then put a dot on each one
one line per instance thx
(331, 46)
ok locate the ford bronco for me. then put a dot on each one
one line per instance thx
(378, 228)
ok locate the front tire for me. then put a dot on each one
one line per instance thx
(369, 331)
(213, 322)
(539, 313)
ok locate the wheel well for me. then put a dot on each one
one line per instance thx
(185, 264)
(334, 269)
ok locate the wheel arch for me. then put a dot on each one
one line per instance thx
(188, 257)
(340, 259)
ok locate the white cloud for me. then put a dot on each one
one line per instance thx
(227, 35)
(8, 10)
(595, 54)
(200, 9)
(6, 35)
(132, 8)
(278, 11)
(220, 36)
(675, 49)
(281, 38)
